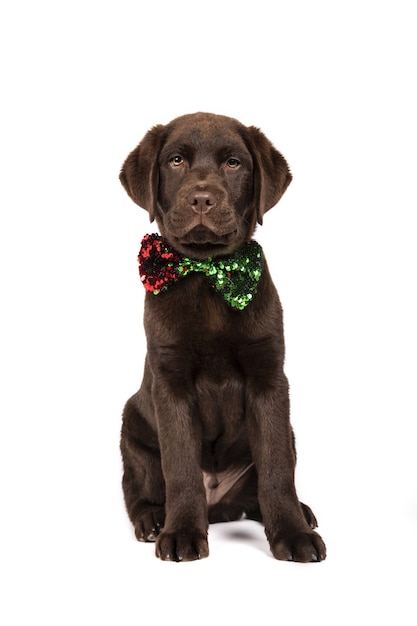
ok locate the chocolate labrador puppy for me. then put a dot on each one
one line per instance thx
(207, 438)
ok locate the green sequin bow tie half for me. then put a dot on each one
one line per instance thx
(235, 277)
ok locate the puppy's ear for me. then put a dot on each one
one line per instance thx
(271, 172)
(139, 175)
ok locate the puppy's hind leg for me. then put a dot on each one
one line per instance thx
(143, 483)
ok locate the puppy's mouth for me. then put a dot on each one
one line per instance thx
(201, 242)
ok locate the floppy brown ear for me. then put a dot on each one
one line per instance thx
(271, 172)
(139, 175)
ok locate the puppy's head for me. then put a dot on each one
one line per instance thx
(206, 179)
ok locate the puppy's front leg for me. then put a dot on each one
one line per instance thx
(184, 536)
(290, 536)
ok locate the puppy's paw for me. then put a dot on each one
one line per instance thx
(303, 547)
(309, 515)
(182, 546)
(149, 524)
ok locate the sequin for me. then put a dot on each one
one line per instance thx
(235, 277)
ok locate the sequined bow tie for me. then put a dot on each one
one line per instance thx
(235, 277)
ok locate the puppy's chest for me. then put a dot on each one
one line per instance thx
(219, 387)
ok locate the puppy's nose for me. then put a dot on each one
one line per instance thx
(202, 201)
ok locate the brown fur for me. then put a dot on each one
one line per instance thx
(207, 438)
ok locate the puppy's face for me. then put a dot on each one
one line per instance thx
(206, 195)
(206, 179)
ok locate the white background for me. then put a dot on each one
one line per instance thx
(333, 85)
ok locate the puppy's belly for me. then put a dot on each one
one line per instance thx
(218, 484)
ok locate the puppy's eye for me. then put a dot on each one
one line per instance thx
(176, 161)
(233, 163)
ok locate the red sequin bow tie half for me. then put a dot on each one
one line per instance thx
(235, 277)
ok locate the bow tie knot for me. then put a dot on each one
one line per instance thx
(234, 276)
